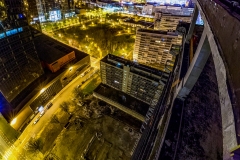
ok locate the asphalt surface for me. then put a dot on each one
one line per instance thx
(33, 129)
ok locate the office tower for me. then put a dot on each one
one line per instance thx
(139, 81)
(19, 63)
(168, 21)
(152, 47)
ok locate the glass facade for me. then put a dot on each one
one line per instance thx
(49, 93)
(19, 62)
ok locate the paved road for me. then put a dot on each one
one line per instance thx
(8, 150)
(32, 130)
(3, 146)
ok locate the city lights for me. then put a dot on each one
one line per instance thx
(42, 90)
(13, 121)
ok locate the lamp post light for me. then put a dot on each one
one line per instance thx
(13, 121)
(42, 90)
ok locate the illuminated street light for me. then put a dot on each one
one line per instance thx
(70, 69)
(42, 90)
(13, 121)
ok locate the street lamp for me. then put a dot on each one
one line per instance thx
(42, 90)
(13, 121)
(70, 69)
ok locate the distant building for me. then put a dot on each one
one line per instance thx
(169, 22)
(174, 10)
(53, 54)
(152, 47)
(147, 9)
(67, 8)
(32, 11)
(52, 10)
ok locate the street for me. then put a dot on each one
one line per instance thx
(33, 129)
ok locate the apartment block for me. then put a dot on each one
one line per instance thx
(168, 21)
(139, 81)
(152, 47)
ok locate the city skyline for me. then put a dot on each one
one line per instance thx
(119, 80)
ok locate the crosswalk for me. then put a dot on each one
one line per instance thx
(9, 150)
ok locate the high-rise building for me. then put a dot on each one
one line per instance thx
(152, 47)
(168, 21)
(139, 81)
(19, 62)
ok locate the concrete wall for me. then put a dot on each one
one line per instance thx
(54, 67)
(223, 43)
(226, 29)
(119, 106)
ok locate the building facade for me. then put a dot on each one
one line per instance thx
(19, 61)
(152, 47)
(139, 81)
(168, 21)
(53, 10)
(174, 10)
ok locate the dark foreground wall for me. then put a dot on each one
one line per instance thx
(201, 136)
(201, 128)
(225, 25)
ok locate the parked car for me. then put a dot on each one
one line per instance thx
(49, 105)
(79, 85)
(42, 113)
(36, 120)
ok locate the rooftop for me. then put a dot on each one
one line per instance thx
(123, 99)
(141, 22)
(50, 50)
(174, 15)
(135, 67)
(157, 32)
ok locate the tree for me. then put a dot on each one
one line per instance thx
(77, 92)
(65, 107)
(55, 119)
(34, 145)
